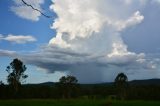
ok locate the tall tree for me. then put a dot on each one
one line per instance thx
(121, 85)
(16, 75)
(67, 85)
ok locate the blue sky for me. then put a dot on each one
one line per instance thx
(12, 24)
(92, 40)
(146, 35)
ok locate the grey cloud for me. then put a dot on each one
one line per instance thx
(7, 53)
(88, 68)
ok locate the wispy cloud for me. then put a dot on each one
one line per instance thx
(27, 12)
(7, 53)
(19, 39)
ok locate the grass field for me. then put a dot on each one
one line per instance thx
(75, 103)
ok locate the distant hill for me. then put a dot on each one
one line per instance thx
(145, 82)
(133, 82)
(42, 84)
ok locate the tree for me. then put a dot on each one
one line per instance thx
(2, 89)
(16, 75)
(121, 85)
(68, 86)
(1, 83)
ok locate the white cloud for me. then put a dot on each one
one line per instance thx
(27, 12)
(133, 20)
(94, 27)
(81, 24)
(19, 39)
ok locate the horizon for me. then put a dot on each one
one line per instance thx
(91, 40)
(97, 82)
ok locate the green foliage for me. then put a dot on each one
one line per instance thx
(121, 85)
(94, 92)
(1, 83)
(67, 86)
(121, 80)
(76, 102)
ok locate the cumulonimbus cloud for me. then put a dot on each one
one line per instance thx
(88, 43)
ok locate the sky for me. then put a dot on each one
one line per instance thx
(93, 40)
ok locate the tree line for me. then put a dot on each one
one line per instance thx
(68, 87)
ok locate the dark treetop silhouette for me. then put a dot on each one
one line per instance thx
(121, 85)
(16, 75)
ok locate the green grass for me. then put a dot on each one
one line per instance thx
(136, 103)
(76, 103)
(50, 103)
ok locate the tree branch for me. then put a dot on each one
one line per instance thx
(36, 9)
